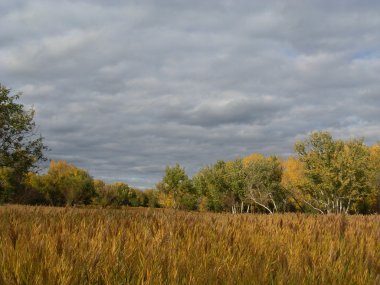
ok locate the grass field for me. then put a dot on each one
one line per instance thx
(42, 245)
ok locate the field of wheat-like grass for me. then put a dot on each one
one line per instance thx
(42, 245)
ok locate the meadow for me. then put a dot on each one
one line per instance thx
(46, 245)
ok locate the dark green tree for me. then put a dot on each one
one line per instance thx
(212, 184)
(21, 147)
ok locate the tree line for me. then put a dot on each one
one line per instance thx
(324, 176)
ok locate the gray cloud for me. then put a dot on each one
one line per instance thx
(225, 108)
(125, 88)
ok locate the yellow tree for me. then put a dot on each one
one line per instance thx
(293, 179)
(253, 157)
(63, 184)
(374, 198)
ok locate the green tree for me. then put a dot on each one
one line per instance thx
(121, 194)
(117, 194)
(235, 178)
(211, 184)
(176, 189)
(221, 186)
(7, 183)
(263, 182)
(137, 198)
(21, 147)
(153, 198)
(337, 172)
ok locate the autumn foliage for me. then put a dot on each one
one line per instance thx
(324, 176)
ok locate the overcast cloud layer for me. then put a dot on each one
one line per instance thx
(124, 88)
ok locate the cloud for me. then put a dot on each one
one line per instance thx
(125, 88)
(226, 108)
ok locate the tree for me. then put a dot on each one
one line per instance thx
(21, 147)
(253, 157)
(100, 197)
(263, 182)
(293, 178)
(110, 194)
(176, 189)
(222, 186)
(6, 183)
(337, 172)
(152, 196)
(121, 194)
(75, 184)
(372, 203)
(211, 184)
(235, 179)
(46, 187)
(64, 184)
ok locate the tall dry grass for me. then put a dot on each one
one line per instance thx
(41, 245)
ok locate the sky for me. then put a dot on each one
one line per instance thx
(125, 88)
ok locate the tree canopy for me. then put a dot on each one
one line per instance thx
(21, 147)
(337, 172)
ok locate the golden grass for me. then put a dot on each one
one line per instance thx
(42, 245)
